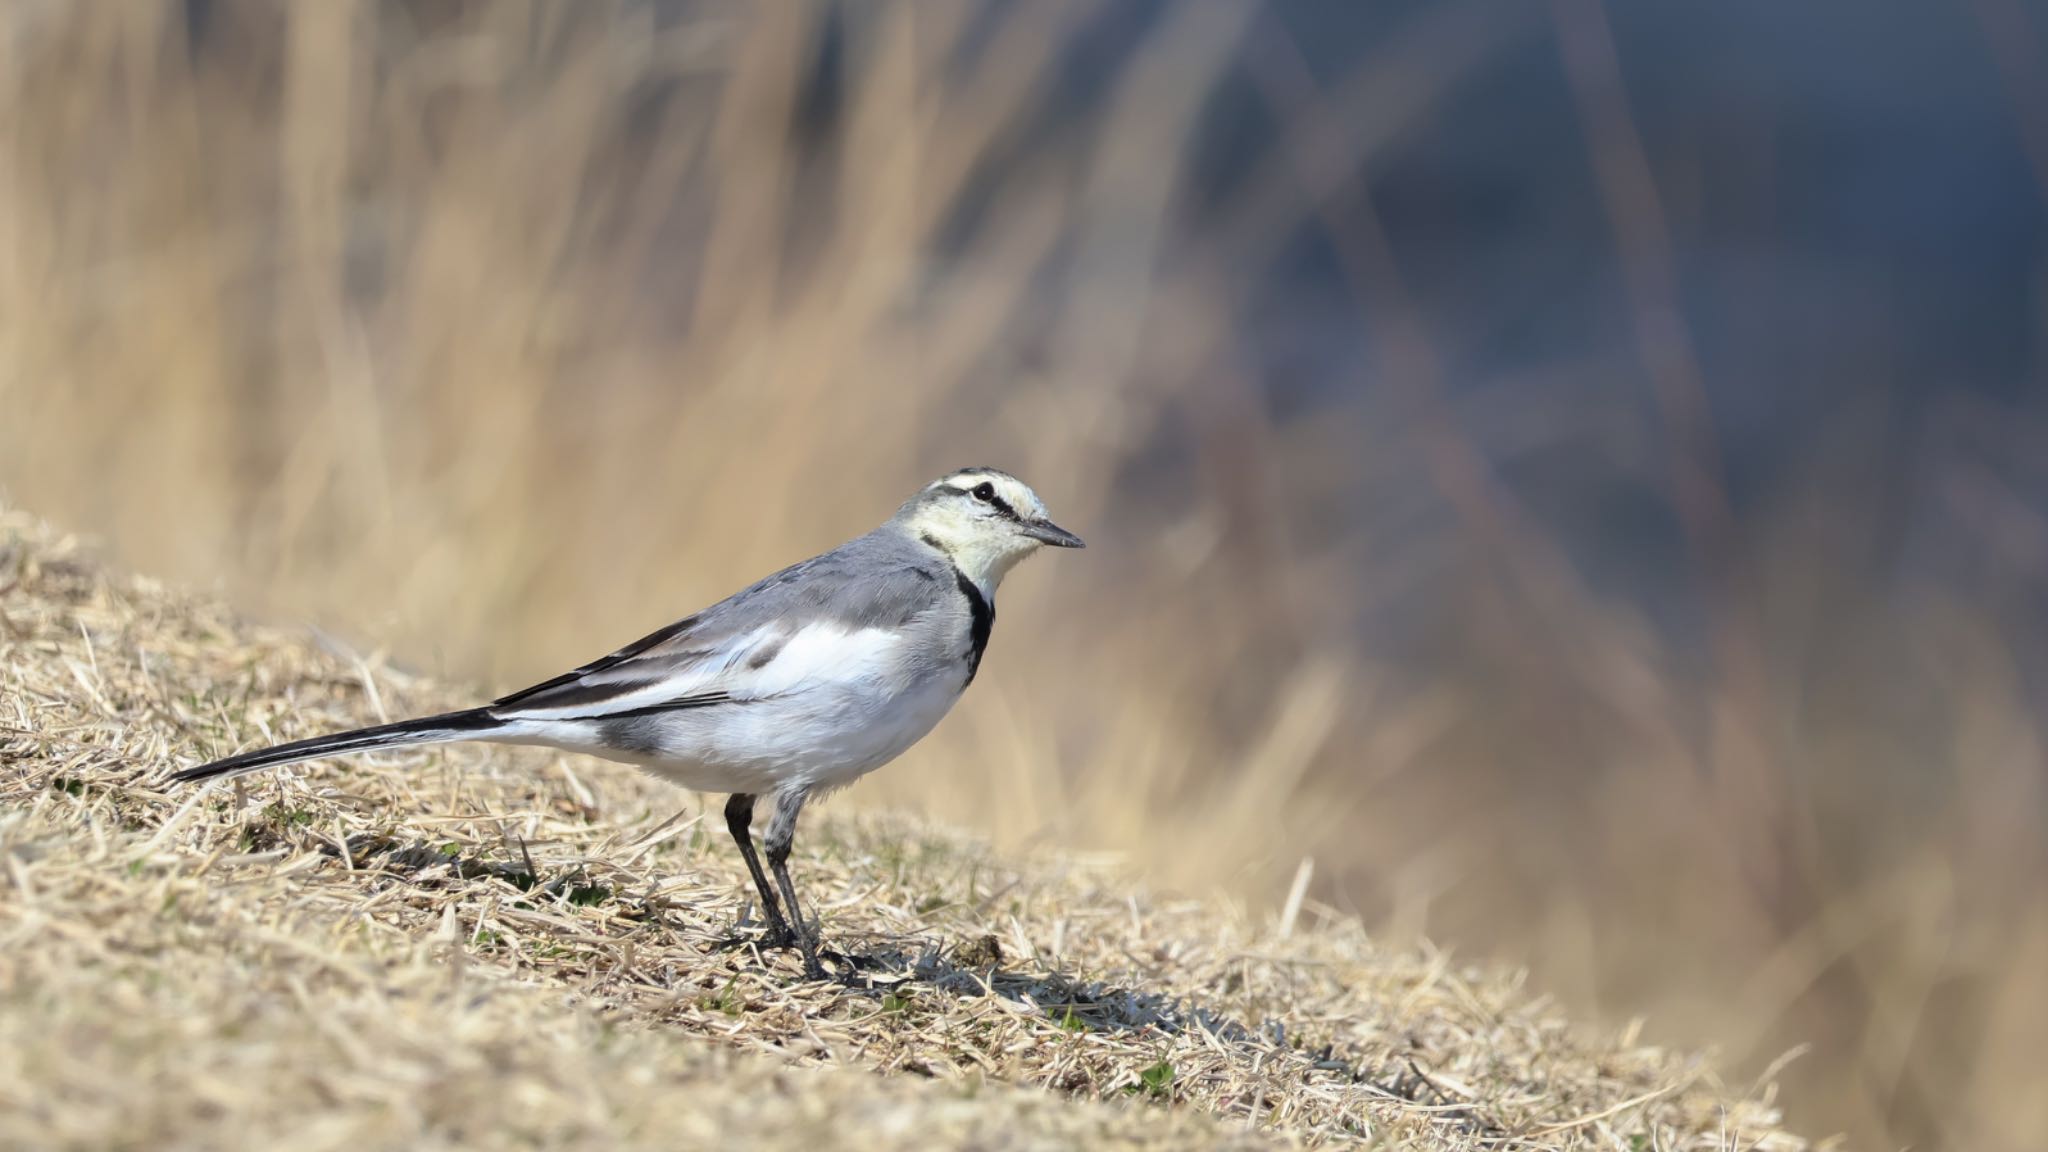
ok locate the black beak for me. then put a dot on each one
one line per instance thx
(1047, 532)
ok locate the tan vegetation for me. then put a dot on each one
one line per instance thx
(490, 335)
(482, 947)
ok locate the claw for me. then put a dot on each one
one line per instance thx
(813, 970)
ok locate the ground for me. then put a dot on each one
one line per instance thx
(487, 947)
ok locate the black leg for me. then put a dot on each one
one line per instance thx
(782, 834)
(739, 815)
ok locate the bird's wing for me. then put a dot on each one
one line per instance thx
(676, 667)
(840, 610)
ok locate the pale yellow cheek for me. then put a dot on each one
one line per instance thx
(985, 551)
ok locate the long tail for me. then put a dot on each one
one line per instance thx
(474, 724)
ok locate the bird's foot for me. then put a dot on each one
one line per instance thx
(779, 937)
(807, 944)
(857, 971)
(770, 939)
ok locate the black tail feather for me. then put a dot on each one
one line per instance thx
(468, 725)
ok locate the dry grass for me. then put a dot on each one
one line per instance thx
(476, 947)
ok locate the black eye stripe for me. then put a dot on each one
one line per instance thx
(994, 501)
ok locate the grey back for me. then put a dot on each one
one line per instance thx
(885, 579)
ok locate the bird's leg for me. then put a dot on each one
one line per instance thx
(739, 816)
(782, 834)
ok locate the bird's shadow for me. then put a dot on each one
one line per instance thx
(976, 967)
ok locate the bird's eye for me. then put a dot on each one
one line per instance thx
(985, 492)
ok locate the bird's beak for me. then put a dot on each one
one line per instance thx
(1047, 532)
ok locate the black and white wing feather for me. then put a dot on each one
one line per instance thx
(756, 643)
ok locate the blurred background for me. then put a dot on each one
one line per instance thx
(1576, 471)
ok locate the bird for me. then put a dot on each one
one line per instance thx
(791, 688)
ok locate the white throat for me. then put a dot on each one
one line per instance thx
(987, 561)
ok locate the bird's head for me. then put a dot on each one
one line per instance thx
(985, 520)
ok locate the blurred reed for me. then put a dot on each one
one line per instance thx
(503, 332)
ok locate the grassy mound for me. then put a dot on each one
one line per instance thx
(474, 946)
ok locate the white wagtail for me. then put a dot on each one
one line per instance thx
(800, 684)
